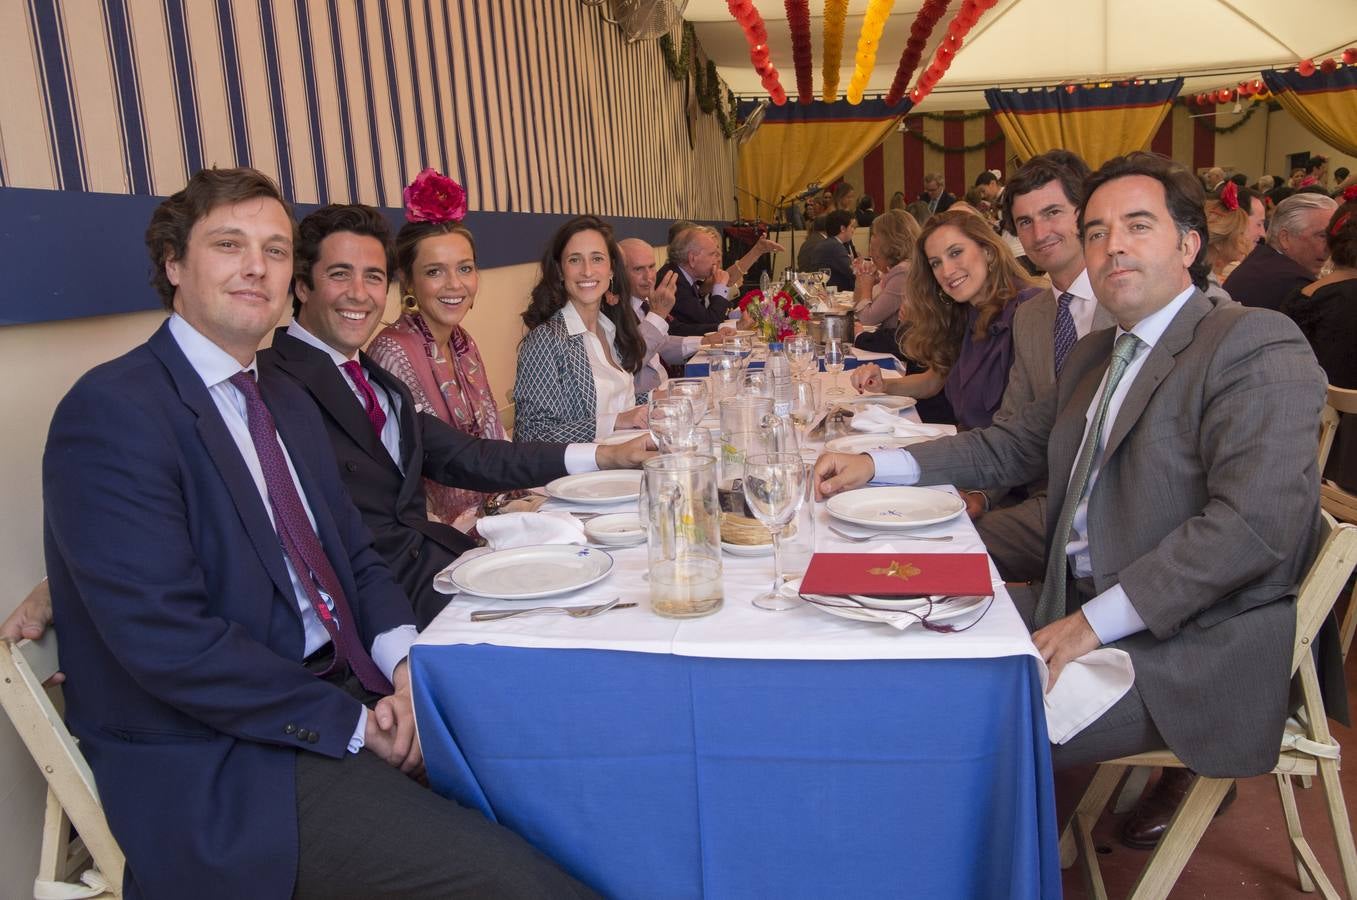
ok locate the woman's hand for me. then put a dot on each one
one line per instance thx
(864, 268)
(867, 379)
(636, 417)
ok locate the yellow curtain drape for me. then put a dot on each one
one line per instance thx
(1325, 103)
(1097, 122)
(797, 145)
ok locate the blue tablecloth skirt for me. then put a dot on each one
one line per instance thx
(651, 776)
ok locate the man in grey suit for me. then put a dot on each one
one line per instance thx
(1184, 507)
(1041, 207)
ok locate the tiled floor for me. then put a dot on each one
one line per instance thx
(1244, 854)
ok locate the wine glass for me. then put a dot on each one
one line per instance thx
(741, 346)
(670, 419)
(758, 383)
(774, 489)
(835, 354)
(694, 390)
(801, 356)
(725, 374)
(804, 406)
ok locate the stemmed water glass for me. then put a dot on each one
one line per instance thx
(726, 372)
(804, 406)
(742, 347)
(694, 390)
(774, 489)
(670, 419)
(835, 354)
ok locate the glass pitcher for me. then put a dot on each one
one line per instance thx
(683, 535)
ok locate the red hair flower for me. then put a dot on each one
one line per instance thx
(1229, 196)
(434, 197)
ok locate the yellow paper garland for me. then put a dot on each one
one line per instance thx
(873, 23)
(836, 11)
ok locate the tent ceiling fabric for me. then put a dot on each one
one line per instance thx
(1048, 41)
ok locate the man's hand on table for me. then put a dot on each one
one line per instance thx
(714, 338)
(629, 455)
(1064, 640)
(838, 472)
(867, 378)
(29, 620)
(390, 731)
(661, 299)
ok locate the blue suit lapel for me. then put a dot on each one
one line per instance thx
(226, 457)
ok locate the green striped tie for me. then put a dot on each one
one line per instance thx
(1051, 606)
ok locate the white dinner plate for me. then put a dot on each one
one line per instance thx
(749, 550)
(895, 507)
(862, 443)
(621, 437)
(617, 529)
(528, 573)
(612, 486)
(889, 401)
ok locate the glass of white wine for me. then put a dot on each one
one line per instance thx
(805, 405)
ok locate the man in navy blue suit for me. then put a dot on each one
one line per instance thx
(234, 646)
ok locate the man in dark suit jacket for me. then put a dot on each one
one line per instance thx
(836, 252)
(343, 263)
(696, 256)
(230, 638)
(935, 194)
(1184, 545)
(1290, 258)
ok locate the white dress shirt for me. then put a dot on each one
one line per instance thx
(1110, 614)
(614, 390)
(1083, 305)
(215, 367)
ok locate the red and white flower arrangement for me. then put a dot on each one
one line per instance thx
(777, 316)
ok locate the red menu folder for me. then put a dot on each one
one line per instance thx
(898, 574)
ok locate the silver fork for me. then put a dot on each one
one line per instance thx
(575, 612)
(886, 534)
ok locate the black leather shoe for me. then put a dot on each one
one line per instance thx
(1147, 823)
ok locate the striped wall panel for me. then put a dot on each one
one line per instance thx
(539, 107)
(536, 105)
(902, 160)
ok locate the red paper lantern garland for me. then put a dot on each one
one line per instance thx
(798, 24)
(960, 26)
(925, 20)
(747, 14)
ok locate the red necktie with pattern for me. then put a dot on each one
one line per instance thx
(303, 546)
(370, 404)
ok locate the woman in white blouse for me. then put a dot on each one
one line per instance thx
(577, 362)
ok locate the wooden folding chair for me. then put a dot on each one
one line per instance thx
(1340, 504)
(71, 795)
(1307, 749)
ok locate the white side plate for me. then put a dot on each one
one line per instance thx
(895, 507)
(612, 486)
(528, 573)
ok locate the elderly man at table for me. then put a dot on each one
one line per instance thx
(385, 446)
(652, 301)
(695, 256)
(1041, 206)
(235, 648)
(1182, 540)
(1290, 258)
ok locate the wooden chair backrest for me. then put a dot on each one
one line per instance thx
(1322, 585)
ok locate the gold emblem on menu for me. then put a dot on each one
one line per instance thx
(904, 573)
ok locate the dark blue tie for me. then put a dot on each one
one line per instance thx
(1065, 333)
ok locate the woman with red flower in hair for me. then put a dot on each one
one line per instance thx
(1234, 223)
(1326, 311)
(427, 347)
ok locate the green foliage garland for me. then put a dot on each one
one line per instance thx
(706, 82)
(953, 117)
(943, 148)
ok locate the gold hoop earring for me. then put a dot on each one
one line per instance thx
(409, 303)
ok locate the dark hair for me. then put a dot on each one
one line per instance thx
(1055, 165)
(354, 218)
(837, 221)
(1314, 163)
(168, 231)
(1340, 174)
(985, 177)
(1183, 195)
(408, 240)
(678, 228)
(1240, 179)
(819, 224)
(549, 296)
(1342, 235)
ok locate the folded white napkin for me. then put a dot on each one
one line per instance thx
(442, 582)
(528, 529)
(880, 420)
(1087, 688)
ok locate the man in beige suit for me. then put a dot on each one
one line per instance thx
(1041, 207)
(1184, 507)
